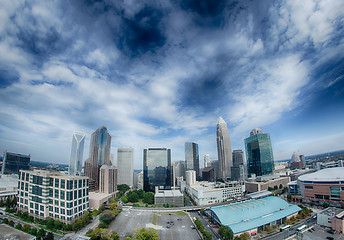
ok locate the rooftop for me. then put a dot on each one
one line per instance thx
(10, 233)
(168, 193)
(253, 213)
(331, 211)
(259, 194)
(325, 175)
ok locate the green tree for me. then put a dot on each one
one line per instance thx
(5, 220)
(207, 235)
(107, 217)
(124, 199)
(133, 197)
(11, 223)
(275, 187)
(25, 216)
(123, 187)
(326, 205)
(50, 223)
(14, 202)
(103, 234)
(226, 233)
(202, 211)
(26, 228)
(58, 224)
(19, 226)
(148, 198)
(8, 202)
(101, 208)
(268, 228)
(280, 186)
(2, 203)
(49, 236)
(146, 234)
(41, 234)
(33, 231)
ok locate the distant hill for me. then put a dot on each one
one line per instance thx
(45, 164)
(320, 155)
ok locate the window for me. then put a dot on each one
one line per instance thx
(63, 183)
(57, 182)
(27, 176)
(56, 202)
(56, 193)
(31, 205)
(79, 195)
(75, 183)
(308, 187)
(36, 206)
(83, 182)
(69, 184)
(69, 196)
(62, 193)
(41, 208)
(56, 210)
(79, 202)
(69, 204)
(80, 183)
(26, 187)
(335, 190)
(51, 181)
(50, 208)
(69, 212)
(62, 204)
(62, 211)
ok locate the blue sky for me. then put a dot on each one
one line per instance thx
(159, 73)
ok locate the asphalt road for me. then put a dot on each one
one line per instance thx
(206, 225)
(130, 220)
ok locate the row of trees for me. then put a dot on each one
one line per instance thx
(140, 234)
(226, 233)
(206, 234)
(135, 195)
(40, 234)
(10, 202)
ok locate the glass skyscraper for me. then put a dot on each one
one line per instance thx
(260, 160)
(125, 166)
(224, 149)
(77, 152)
(157, 169)
(13, 162)
(192, 157)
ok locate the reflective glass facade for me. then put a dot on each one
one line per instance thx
(260, 160)
(192, 157)
(77, 152)
(13, 162)
(157, 169)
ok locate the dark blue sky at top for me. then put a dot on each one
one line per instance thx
(159, 73)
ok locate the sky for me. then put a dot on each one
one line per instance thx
(161, 73)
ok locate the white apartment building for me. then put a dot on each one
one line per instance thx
(125, 166)
(44, 194)
(204, 193)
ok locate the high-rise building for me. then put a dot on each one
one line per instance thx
(190, 177)
(125, 166)
(303, 160)
(77, 151)
(45, 194)
(107, 179)
(13, 162)
(238, 157)
(206, 160)
(260, 160)
(179, 169)
(215, 164)
(99, 155)
(224, 150)
(192, 157)
(157, 169)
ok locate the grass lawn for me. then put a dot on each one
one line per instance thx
(181, 213)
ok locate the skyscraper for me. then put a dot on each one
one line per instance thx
(107, 179)
(13, 162)
(206, 160)
(192, 157)
(99, 155)
(260, 160)
(224, 150)
(125, 166)
(238, 157)
(238, 169)
(77, 151)
(157, 169)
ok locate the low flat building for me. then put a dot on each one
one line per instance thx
(324, 218)
(257, 195)
(204, 193)
(97, 199)
(170, 197)
(8, 186)
(45, 194)
(11, 233)
(253, 215)
(257, 186)
(338, 222)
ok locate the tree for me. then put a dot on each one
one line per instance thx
(270, 189)
(41, 234)
(49, 236)
(101, 208)
(268, 228)
(57, 224)
(280, 186)
(14, 202)
(245, 236)
(26, 228)
(123, 187)
(2, 203)
(226, 233)
(146, 234)
(8, 202)
(326, 205)
(202, 211)
(275, 187)
(33, 231)
(107, 217)
(19, 226)
(5, 220)
(50, 223)
(148, 198)
(101, 233)
(133, 197)
(124, 199)
(11, 223)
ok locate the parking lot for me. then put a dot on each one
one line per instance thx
(166, 223)
(320, 233)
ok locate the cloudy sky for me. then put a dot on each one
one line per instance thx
(159, 73)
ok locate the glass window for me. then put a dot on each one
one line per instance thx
(56, 210)
(62, 193)
(56, 193)
(75, 183)
(57, 182)
(41, 208)
(80, 183)
(63, 183)
(69, 184)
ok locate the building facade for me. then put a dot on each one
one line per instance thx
(258, 186)
(99, 155)
(192, 157)
(13, 162)
(208, 174)
(125, 166)
(224, 150)
(77, 152)
(260, 160)
(206, 160)
(326, 185)
(170, 197)
(45, 194)
(108, 179)
(157, 169)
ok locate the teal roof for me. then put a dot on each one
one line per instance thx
(253, 213)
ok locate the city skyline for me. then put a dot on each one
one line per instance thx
(159, 74)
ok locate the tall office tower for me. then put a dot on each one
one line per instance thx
(295, 161)
(260, 160)
(190, 177)
(107, 179)
(224, 150)
(76, 154)
(238, 157)
(206, 160)
(44, 194)
(99, 155)
(303, 160)
(125, 166)
(215, 164)
(157, 169)
(13, 162)
(192, 157)
(179, 169)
